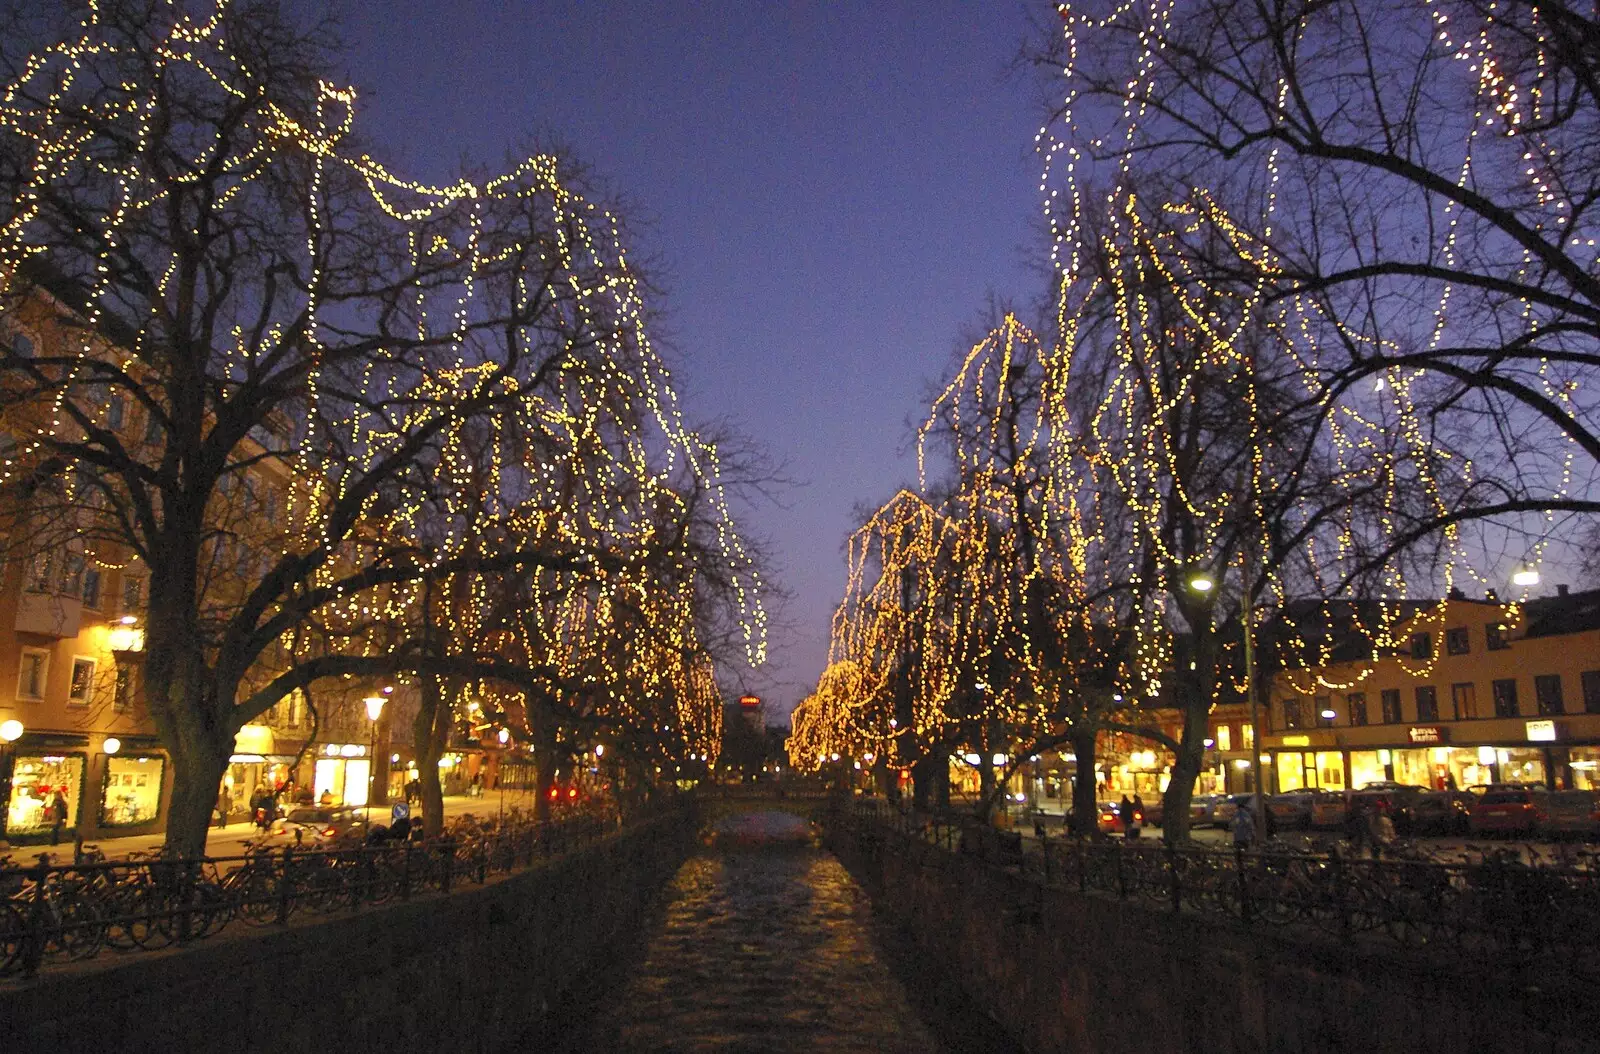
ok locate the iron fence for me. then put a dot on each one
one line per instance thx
(77, 911)
(1500, 906)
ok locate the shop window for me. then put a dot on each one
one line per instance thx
(1457, 641)
(1547, 690)
(1505, 697)
(1389, 700)
(31, 673)
(122, 696)
(116, 413)
(1494, 637)
(1427, 703)
(1464, 700)
(82, 685)
(1591, 691)
(1356, 704)
(91, 588)
(34, 783)
(132, 793)
(1422, 645)
(1294, 713)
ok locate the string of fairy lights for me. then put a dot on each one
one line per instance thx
(1117, 454)
(591, 455)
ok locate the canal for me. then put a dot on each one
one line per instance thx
(766, 943)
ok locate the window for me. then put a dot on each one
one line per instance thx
(1457, 641)
(1464, 700)
(22, 346)
(1505, 697)
(123, 695)
(1427, 703)
(1356, 703)
(40, 569)
(1389, 700)
(1323, 704)
(32, 672)
(1294, 713)
(1494, 636)
(72, 575)
(132, 595)
(91, 588)
(1224, 737)
(1247, 736)
(1591, 691)
(153, 431)
(1422, 645)
(269, 506)
(82, 682)
(116, 413)
(1547, 690)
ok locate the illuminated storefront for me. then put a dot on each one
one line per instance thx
(131, 790)
(343, 772)
(35, 779)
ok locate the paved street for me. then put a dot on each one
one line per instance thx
(230, 840)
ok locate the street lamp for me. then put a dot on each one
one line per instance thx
(1201, 582)
(374, 711)
(10, 731)
(1525, 575)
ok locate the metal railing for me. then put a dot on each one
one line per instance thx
(1498, 904)
(51, 913)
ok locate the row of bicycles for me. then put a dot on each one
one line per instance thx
(1518, 902)
(53, 912)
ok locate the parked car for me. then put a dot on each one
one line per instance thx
(1574, 814)
(1396, 800)
(1442, 812)
(1330, 811)
(1111, 818)
(1203, 810)
(1155, 810)
(319, 826)
(1510, 808)
(1293, 810)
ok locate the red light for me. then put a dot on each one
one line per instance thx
(554, 794)
(573, 793)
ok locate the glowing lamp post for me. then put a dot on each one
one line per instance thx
(374, 711)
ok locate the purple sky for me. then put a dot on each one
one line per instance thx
(832, 188)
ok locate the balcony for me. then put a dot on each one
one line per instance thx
(49, 614)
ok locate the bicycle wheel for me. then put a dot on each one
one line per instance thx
(75, 929)
(13, 932)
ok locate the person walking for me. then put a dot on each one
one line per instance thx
(224, 806)
(1125, 811)
(1138, 817)
(1243, 828)
(58, 816)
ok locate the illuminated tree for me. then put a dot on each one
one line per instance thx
(456, 380)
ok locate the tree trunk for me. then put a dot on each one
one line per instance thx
(429, 735)
(1085, 807)
(544, 764)
(197, 771)
(1186, 766)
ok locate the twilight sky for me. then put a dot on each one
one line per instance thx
(833, 190)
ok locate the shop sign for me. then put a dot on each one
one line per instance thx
(1297, 741)
(1541, 731)
(1426, 734)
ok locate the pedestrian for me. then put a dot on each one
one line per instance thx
(1243, 828)
(224, 806)
(261, 807)
(1138, 817)
(1125, 812)
(58, 816)
(475, 790)
(326, 797)
(1269, 820)
(1380, 830)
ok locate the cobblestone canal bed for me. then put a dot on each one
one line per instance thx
(767, 944)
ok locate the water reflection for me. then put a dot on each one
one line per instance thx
(767, 945)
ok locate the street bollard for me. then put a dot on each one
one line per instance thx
(33, 949)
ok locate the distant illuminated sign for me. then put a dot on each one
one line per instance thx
(1297, 741)
(750, 702)
(1426, 734)
(1541, 731)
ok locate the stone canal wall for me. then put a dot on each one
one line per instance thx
(1078, 974)
(465, 972)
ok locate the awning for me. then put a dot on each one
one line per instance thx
(253, 739)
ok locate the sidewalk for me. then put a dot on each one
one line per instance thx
(230, 840)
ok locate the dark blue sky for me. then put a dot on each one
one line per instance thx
(831, 189)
